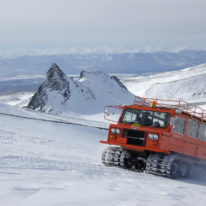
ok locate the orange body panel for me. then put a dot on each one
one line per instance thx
(168, 141)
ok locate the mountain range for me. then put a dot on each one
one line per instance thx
(123, 62)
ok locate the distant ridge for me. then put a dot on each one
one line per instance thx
(109, 62)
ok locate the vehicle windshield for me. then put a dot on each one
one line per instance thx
(145, 118)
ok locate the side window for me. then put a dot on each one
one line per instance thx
(192, 129)
(202, 132)
(179, 125)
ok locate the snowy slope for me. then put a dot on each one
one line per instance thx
(95, 120)
(187, 84)
(45, 163)
(108, 90)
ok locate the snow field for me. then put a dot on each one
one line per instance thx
(44, 163)
(54, 164)
(187, 84)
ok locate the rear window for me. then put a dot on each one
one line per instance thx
(179, 125)
(192, 129)
(202, 132)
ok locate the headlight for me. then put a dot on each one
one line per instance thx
(115, 131)
(153, 136)
(150, 136)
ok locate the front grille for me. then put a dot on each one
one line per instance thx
(134, 137)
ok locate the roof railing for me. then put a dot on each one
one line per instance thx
(181, 105)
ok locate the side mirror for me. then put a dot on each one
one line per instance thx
(106, 112)
(113, 112)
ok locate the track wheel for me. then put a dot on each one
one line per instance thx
(175, 168)
(183, 170)
(126, 160)
(108, 157)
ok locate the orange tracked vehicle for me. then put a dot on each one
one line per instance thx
(161, 137)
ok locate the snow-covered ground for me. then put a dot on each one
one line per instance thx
(188, 84)
(19, 99)
(54, 164)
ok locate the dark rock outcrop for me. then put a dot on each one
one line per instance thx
(56, 80)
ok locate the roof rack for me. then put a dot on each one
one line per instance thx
(180, 105)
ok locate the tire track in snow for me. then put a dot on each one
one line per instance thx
(33, 163)
(53, 121)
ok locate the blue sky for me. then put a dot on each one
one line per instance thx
(46, 24)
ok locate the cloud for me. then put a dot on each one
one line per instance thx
(94, 23)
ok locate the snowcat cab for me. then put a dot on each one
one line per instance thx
(161, 137)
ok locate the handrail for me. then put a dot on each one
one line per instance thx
(181, 105)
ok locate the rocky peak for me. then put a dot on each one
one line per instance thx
(86, 74)
(118, 82)
(59, 93)
(55, 78)
(56, 81)
(82, 73)
(55, 73)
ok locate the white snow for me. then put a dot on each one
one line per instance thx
(188, 84)
(45, 163)
(20, 99)
(106, 90)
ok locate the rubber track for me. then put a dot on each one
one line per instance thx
(161, 164)
(111, 156)
(53, 121)
(114, 156)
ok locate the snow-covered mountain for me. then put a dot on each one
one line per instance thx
(94, 90)
(188, 84)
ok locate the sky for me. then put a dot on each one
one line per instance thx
(49, 24)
